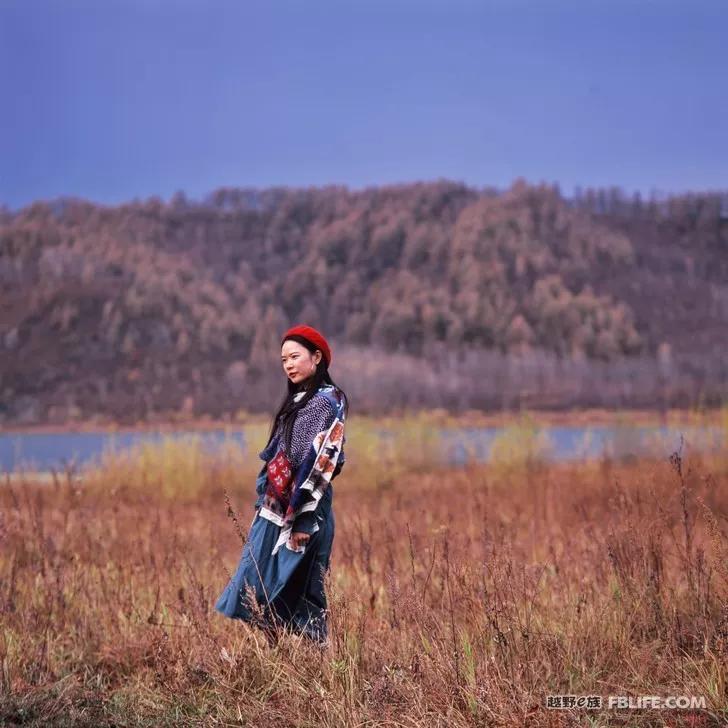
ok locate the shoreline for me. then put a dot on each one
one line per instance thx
(440, 418)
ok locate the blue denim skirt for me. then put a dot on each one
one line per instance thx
(288, 587)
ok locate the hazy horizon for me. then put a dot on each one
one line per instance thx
(654, 194)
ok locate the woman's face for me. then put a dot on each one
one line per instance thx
(298, 362)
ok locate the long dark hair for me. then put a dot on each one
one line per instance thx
(289, 407)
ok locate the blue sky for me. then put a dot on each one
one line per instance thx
(114, 100)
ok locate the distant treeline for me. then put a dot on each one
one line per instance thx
(434, 294)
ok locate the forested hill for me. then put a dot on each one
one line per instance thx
(149, 308)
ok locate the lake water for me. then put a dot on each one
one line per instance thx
(56, 451)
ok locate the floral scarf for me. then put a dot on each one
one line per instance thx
(286, 495)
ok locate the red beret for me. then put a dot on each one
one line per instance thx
(315, 337)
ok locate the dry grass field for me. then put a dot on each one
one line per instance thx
(459, 596)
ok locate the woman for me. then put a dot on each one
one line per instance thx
(279, 583)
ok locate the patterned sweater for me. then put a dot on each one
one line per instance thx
(315, 459)
(315, 416)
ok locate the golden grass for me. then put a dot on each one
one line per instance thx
(459, 596)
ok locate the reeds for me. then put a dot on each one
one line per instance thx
(458, 596)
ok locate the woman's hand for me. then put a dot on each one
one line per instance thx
(298, 539)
